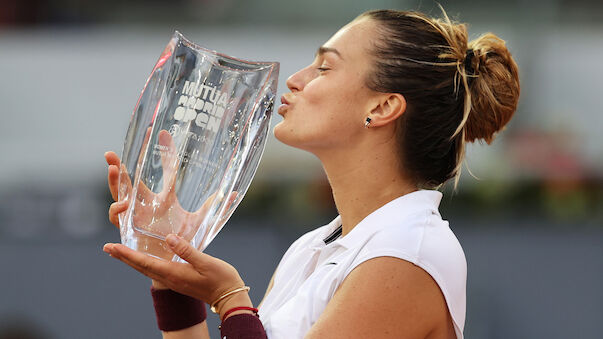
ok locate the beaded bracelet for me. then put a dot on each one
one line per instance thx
(240, 308)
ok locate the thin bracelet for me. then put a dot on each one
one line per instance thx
(227, 294)
(240, 308)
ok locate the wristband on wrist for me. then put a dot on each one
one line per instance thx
(176, 311)
(243, 326)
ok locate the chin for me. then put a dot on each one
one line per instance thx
(288, 136)
(282, 134)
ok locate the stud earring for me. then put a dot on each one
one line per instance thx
(367, 122)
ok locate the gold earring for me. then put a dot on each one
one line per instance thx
(367, 122)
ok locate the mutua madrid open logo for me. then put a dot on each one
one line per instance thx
(202, 103)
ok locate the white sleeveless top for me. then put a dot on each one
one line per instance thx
(409, 227)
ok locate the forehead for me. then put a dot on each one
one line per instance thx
(352, 41)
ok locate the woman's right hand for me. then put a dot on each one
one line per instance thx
(146, 200)
(159, 212)
(118, 207)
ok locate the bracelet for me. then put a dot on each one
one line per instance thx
(176, 311)
(227, 294)
(234, 309)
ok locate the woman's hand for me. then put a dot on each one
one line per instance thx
(203, 276)
(152, 207)
(160, 211)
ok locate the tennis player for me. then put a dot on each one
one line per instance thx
(387, 105)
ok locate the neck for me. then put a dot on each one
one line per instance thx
(362, 182)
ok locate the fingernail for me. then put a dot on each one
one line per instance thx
(172, 240)
(107, 248)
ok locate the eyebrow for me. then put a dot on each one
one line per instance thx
(322, 50)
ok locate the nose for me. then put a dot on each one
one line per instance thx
(298, 80)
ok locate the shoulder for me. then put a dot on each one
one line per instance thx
(387, 297)
(423, 244)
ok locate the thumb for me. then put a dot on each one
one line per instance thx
(186, 251)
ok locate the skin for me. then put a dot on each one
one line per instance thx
(324, 113)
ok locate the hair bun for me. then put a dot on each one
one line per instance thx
(494, 87)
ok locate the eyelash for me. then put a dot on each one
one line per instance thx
(322, 69)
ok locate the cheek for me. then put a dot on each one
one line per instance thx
(336, 110)
(327, 114)
(308, 126)
(324, 103)
(322, 92)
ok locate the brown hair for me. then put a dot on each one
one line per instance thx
(456, 91)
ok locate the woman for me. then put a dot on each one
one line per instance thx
(387, 106)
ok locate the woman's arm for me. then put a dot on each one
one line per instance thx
(386, 297)
(203, 277)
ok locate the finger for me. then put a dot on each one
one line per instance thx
(113, 172)
(147, 136)
(168, 157)
(206, 205)
(112, 158)
(165, 139)
(113, 180)
(186, 251)
(151, 267)
(230, 205)
(115, 209)
(202, 211)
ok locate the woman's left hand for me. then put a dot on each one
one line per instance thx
(203, 276)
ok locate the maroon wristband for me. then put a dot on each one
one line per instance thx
(176, 311)
(242, 326)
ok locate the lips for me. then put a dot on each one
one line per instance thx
(284, 100)
(284, 105)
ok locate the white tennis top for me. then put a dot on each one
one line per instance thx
(409, 227)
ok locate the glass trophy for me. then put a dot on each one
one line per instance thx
(193, 145)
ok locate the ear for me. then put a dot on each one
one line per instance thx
(387, 109)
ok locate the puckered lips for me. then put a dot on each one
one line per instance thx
(285, 104)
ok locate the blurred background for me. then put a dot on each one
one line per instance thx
(530, 219)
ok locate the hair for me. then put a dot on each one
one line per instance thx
(456, 90)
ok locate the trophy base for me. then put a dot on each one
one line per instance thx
(150, 245)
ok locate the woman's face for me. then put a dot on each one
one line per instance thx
(328, 101)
